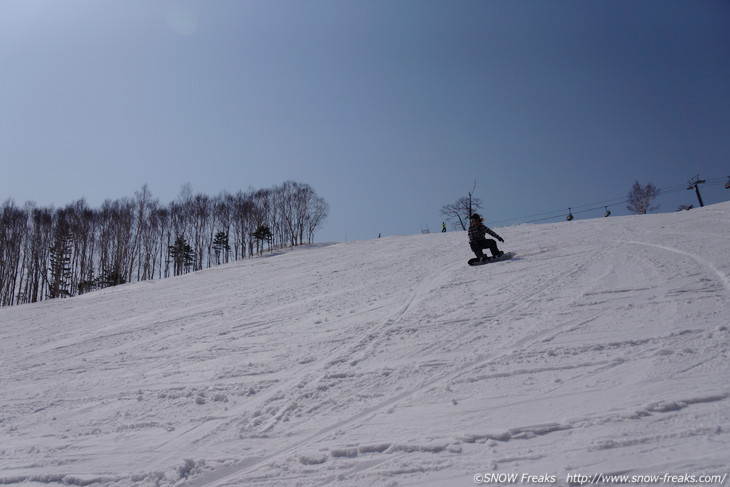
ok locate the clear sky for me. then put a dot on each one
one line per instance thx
(388, 108)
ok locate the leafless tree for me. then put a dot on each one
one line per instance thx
(460, 210)
(641, 197)
(316, 216)
(13, 231)
(49, 253)
(38, 250)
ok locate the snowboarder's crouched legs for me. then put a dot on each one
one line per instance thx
(478, 240)
(478, 246)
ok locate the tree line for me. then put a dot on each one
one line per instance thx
(48, 252)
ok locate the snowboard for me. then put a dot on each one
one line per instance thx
(475, 261)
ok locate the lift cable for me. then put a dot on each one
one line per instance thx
(588, 207)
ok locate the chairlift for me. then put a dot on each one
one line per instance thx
(608, 212)
(695, 181)
(570, 215)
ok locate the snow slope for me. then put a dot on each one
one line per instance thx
(602, 348)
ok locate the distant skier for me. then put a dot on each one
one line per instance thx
(443, 227)
(478, 240)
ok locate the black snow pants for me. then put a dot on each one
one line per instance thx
(480, 245)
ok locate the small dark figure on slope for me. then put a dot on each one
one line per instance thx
(478, 240)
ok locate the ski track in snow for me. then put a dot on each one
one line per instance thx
(601, 347)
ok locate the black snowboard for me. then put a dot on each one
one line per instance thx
(475, 261)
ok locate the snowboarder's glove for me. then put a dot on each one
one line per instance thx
(500, 239)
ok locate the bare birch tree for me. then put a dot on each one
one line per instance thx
(641, 197)
(50, 253)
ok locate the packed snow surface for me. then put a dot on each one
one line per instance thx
(601, 348)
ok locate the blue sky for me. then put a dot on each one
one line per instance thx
(388, 108)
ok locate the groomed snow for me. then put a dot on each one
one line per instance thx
(601, 348)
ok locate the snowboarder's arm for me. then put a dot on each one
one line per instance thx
(493, 234)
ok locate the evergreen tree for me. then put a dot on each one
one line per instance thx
(109, 278)
(182, 255)
(262, 234)
(220, 246)
(60, 258)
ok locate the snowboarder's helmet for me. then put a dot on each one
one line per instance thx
(475, 216)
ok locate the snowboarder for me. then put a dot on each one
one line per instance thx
(443, 227)
(478, 240)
